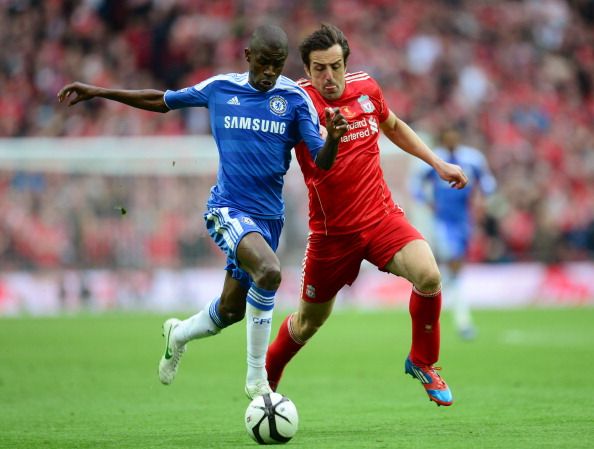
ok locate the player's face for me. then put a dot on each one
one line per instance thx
(450, 139)
(326, 70)
(266, 65)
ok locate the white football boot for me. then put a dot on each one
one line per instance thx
(173, 352)
(258, 389)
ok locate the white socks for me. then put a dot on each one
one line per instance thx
(258, 313)
(198, 326)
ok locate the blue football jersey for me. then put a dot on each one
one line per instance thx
(450, 204)
(254, 132)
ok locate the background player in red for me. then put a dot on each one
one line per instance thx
(353, 217)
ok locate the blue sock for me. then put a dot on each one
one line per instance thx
(213, 311)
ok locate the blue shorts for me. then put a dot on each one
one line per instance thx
(451, 240)
(227, 226)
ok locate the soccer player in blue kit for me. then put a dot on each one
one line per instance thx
(452, 213)
(256, 119)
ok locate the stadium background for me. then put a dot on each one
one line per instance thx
(101, 203)
(517, 76)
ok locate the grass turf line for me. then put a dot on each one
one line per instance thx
(91, 382)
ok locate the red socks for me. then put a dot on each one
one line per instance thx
(280, 352)
(424, 311)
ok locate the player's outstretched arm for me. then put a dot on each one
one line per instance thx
(148, 99)
(404, 137)
(336, 126)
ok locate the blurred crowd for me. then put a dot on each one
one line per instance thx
(516, 77)
(53, 220)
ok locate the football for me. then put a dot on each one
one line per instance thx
(271, 419)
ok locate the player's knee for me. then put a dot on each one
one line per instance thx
(429, 281)
(268, 276)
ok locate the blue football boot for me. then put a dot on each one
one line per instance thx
(434, 385)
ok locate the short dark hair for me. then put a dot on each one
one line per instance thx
(322, 39)
(269, 36)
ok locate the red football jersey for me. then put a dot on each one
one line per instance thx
(352, 194)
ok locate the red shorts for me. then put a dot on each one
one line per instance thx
(331, 262)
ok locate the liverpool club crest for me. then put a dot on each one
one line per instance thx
(366, 104)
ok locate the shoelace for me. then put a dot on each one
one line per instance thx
(432, 370)
(438, 380)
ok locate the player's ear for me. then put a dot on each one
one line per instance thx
(307, 72)
(247, 53)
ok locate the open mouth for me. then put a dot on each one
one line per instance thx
(266, 84)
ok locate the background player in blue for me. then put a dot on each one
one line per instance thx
(452, 212)
(256, 118)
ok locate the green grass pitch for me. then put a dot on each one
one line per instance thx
(91, 382)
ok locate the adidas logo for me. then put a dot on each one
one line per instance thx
(233, 100)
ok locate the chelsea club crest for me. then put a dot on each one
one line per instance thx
(278, 105)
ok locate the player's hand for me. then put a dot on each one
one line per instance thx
(81, 91)
(453, 174)
(336, 124)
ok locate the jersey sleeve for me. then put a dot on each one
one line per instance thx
(309, 126)
(194, 96)
(380, 102)
(486, 180)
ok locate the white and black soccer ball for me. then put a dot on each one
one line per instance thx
(271, 419)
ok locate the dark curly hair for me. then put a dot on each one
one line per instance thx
(322, 39)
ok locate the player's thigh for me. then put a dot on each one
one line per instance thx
(387, 239)
(248, 243)
(330, 263)
(451, 240)
(255, 255)
(416, 263)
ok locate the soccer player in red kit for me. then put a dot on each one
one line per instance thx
(352, 216)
